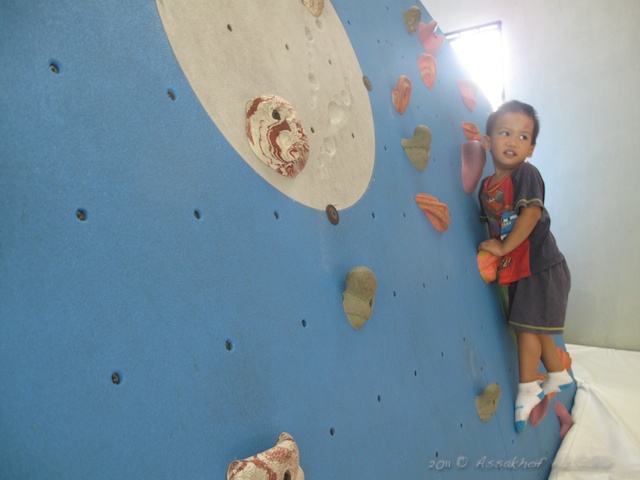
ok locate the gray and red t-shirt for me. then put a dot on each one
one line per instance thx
(500, 205)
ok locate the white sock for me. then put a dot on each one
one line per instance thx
(529, 395)
(557, 381)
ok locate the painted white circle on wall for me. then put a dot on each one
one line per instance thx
(234, 51)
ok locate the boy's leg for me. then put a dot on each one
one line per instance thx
(529, 392)
(529, 354)
(557, 377)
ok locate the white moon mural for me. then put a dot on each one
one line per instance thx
(234, 51)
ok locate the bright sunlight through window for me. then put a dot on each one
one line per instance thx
(480, 51)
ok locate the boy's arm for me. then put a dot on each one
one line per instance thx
(527, 219)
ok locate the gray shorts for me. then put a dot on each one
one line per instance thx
(538, 304)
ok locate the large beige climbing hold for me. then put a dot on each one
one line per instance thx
(418, 147)
(282, 461)
(487, 402)
(357, 299)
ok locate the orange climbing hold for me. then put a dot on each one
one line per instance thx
(428, 69)
(437, 212)
(488, 265)
(401, 94)
(471, 131)
(430, 40)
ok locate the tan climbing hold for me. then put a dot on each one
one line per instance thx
(411, 19)
(487, 402)
(357, 299)
(418, 148)
(280, 461)
(314, 6)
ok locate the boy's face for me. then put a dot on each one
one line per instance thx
(510, 143)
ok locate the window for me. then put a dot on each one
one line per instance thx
(480, 51)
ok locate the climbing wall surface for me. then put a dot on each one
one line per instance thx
(171, 302)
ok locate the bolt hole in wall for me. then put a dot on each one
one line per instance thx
(171, 94)
(54, 67)
(81, 214)
(228, 344)
(196, 213)
(116, 378)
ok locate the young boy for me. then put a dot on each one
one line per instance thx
(532, 266)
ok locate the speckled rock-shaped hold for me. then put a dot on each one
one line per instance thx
(474, 158)
(487, 402)
(411, 19)
(430, 40)
(401, 95)
(418, 148)
(358, 297)
(282, 461)
(276, 135)
(314, 6)
(428, 69)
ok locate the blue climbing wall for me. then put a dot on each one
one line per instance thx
(136, 245)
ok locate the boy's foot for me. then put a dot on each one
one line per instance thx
(556, 382)
(529, 395)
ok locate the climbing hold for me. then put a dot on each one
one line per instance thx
(487, 402)
(401, 94)
(282, 461)
(468, 92)
(314, 6)
(474, 158)
(418, 148)
(437, 212)
(367, 83)
(276, 135)
(332, 214)
(411, 19)
(430, 40)
(428, 69)
(357, 299)
(471, 131)
(488, 265)
(540, 411)
(565, 418)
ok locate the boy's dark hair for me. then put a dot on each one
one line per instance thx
(514, 106)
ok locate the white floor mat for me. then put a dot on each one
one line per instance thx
(604, 442)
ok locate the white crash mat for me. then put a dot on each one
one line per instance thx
(604, 441)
